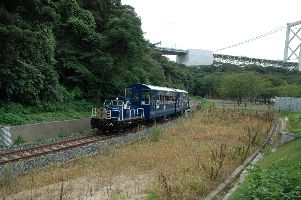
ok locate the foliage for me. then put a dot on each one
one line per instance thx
(294, 122)
(16, 114)
(274, 183)
(155, 135)
(207, 103)
(241, 85)
(288, 90)
(277, 176)
(171, 167)
(154, 195)
(68, 50)
(19, 140)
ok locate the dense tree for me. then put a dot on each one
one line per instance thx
(241, 86)
(91, 49)
(288, 90)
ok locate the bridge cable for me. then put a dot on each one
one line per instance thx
(254, 38)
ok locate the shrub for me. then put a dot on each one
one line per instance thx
(283, 181)
(19, 140)
(155, 135)
(154, 195)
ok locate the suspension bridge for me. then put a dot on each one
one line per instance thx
(292, 51)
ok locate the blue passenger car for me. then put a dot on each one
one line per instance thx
(141, 103)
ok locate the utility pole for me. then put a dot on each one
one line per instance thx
(293, 44)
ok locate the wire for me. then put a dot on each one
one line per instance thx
(254, 38)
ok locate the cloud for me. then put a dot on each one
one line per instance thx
(216, 24)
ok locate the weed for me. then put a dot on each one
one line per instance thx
(213, 167)
(238, 153)
(155, 135)
(177, 152)
(19, 140)
(118, 196)
(61, 135)
(273, 183)
(62, 190)
(166, 186)
(276, 176)
(154, 195)
(8, 178)
(294, 121)
(81, 132)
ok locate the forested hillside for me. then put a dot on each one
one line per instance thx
(62, 50)
(87, 49)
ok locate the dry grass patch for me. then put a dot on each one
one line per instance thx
(185, 161)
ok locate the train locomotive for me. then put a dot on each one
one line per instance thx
(141, 104)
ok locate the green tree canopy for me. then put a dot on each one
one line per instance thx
(241, 85)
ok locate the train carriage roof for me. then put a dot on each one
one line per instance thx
(158, 88)
(182, 91)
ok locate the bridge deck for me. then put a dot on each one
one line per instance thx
(247, 60)
(240, 60)
(171, 51)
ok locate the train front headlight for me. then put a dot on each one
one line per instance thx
(101, 113)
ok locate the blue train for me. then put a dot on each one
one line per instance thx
(141, 104)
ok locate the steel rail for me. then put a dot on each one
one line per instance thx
(69, 144)
(43, 146)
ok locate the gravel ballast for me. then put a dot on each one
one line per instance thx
(41, 162)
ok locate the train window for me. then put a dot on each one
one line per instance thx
(127, 105)
(136, 97)
(106, 103)
(116, 103)
(167, 99)
(145, 97)
(128, 92)
(161, 99)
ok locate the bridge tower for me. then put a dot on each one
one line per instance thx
(293, 44)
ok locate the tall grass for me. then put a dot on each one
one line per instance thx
(185, 161)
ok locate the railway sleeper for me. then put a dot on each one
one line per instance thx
(4, 159)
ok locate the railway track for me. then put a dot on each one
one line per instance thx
(28, 153)
(46, 149)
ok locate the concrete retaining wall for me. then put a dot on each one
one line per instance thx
(40, 131)
(288, 104)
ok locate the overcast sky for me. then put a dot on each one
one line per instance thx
(215, 24)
